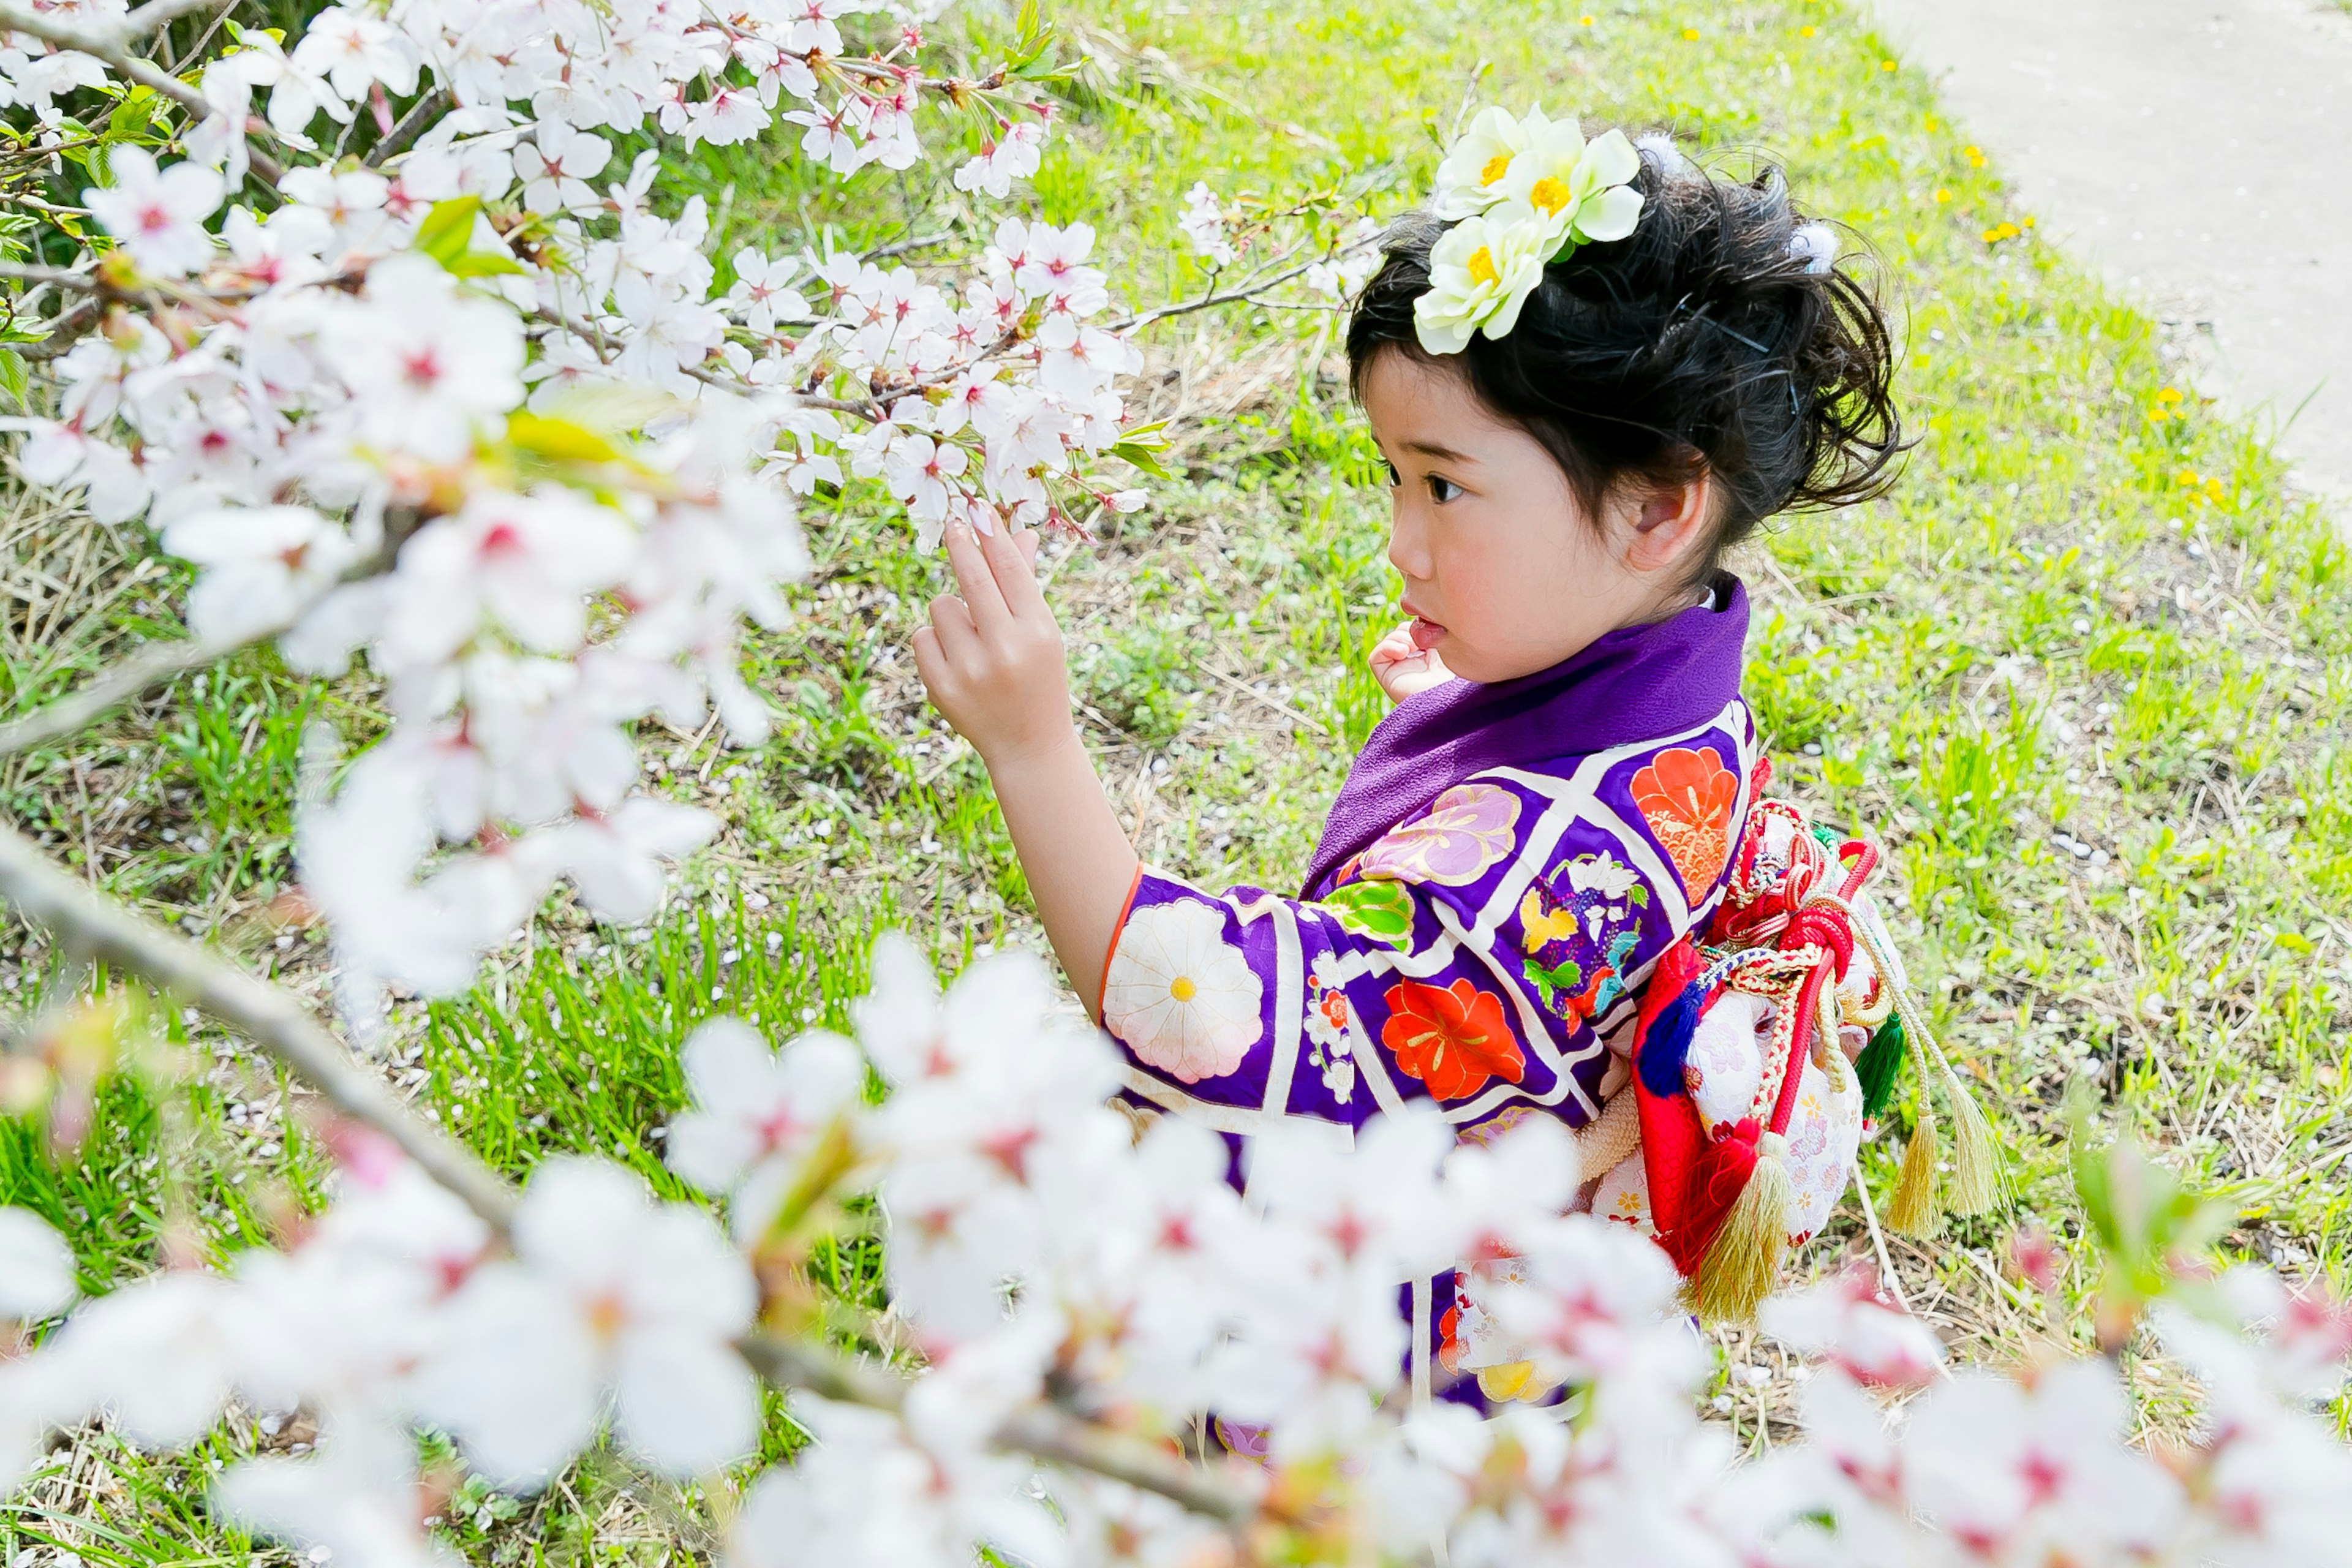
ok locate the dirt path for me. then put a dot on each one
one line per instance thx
(2192, 151)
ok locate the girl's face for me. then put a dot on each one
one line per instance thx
(1505, 573)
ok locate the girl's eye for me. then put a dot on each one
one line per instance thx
(1441, 490)
(1395, 479)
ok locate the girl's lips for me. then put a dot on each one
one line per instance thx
(1426, 633)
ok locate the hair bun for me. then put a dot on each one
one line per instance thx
(1720, 337)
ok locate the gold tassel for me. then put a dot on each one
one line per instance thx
(1912, 1210)
(1743, 1263)
(1975, 1187)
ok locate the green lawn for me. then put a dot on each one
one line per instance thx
(2085, 670)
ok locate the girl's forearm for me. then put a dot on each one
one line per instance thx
(1078, 859)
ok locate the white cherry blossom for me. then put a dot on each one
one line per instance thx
(611, 1299)
(158, 216)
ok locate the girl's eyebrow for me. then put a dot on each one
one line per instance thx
(1442, 454)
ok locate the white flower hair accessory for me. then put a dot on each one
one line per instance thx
(1518, 193)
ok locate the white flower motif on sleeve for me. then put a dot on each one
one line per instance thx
(1181, 996)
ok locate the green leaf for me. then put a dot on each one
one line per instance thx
(1568, 977)
(1141, 457)
(481, 263)
(12, 375)
(132, 115)
(559, 439)
(1142, 446)
(1381, 910)
(447, 231)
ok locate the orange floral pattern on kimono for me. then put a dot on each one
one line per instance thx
(1687, 798)
(1452, 1037)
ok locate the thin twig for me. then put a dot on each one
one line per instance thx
(1041, 1430)
(1210, 301)
(151, 666)
(901, 248)
(110, 49)
(156, 15)
(63, 332)
(1254, 695)
(84, 920)
(14, 272)
(411, 125)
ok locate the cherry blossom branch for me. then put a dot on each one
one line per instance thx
(151, 666)
(411, 125)
(86, 921)
(63, 332)
(62, 277)
(110, 49)
(1211, 299)
(157, 15)
(1040, 1431)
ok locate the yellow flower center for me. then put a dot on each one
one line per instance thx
(1493, 168)
(1548, 193)
(1183, 989)
(1481, 266)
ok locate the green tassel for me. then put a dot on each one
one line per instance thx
(1880, 1065)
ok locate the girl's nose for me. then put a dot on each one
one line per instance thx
(1409, 545)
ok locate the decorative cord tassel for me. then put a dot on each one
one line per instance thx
(1912, 1210)
(1744, 1262)
(1976, 1179)
(1975, 1185)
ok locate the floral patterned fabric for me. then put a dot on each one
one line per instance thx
(1484, 955)
(1479, 954)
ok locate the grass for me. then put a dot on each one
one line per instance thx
(2085, 671)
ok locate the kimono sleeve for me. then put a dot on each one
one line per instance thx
(1417, 977)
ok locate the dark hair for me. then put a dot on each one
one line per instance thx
(1714, 339)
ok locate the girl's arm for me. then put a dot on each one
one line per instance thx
(992, 661)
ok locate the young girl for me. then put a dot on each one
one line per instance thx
(1592, 370)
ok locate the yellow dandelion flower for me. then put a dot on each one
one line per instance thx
(1975, 156)
(2029, 220)
(1992, 236)
(2168, 395)
(1806, 32)
(1886, 65)
(1690, 34)
(1942, 196)
(2186, 476)
(2158, 416)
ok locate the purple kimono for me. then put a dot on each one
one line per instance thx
(1500, 870)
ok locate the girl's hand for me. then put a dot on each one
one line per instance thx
(992, 658)
(1404, 669)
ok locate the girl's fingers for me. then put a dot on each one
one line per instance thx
(952, 629)
(929, 663)
(975, 575)
(1011, 562)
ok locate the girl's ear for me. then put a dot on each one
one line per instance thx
(1664, 522)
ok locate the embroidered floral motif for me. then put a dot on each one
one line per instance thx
(1495, 1126)
(1469, 1340)
(1466, 830)
(1687, 797)
(1575, 931)
(1453, 1038)
(1381, 910)
(1329, 1046)
(1181, 996)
